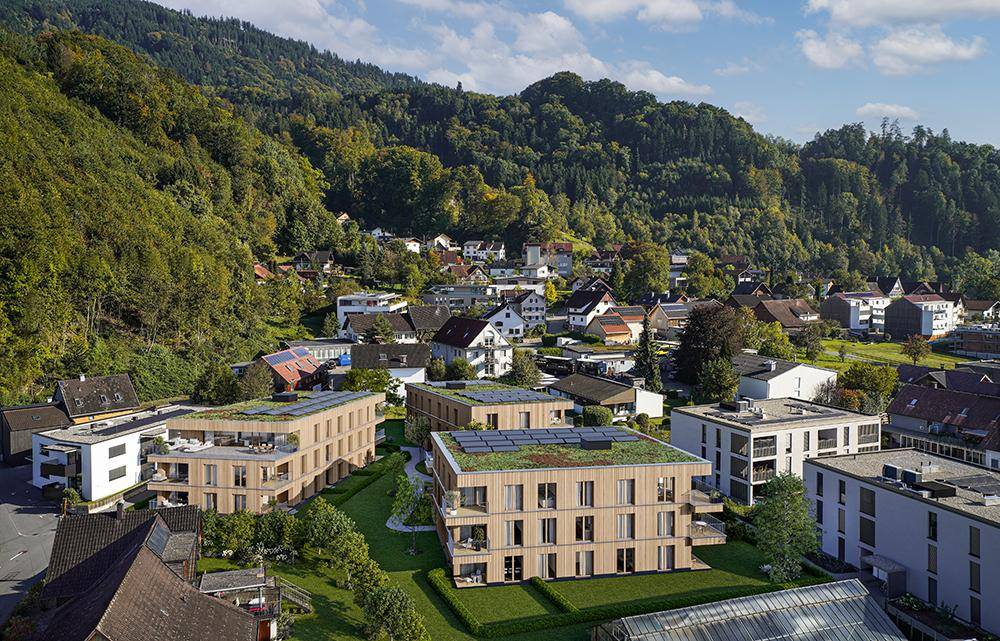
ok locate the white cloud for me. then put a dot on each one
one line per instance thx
(867, 13)
(640, 76)
(663, 13)
(835, 51)
(913, 49)
(548, 32)
(750, 112)
(744, 66)
(886, 110)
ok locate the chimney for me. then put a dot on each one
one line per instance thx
(120, 511)
(83, 377)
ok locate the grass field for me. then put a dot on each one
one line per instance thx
(888, 353)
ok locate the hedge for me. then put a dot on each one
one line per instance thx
(440, 582)
(366, 476)
(553, 595)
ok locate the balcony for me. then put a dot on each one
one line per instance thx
(763, 474)
(765, 447)
(705, 497)
(705, 529)
(54, 468)
(468, 546)
(276, 481)
(827, 443)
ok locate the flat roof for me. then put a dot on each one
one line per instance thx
(98, 431)
(265, 409)
(499, 450)
(482, 392)
(777, 414)
(230, 580)
(962, 477)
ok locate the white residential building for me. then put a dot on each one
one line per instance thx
(368, 303)
(584, 304)
(101, 458)
(441, 242)
(475, 340)
(506, 319)
(919, 523)
(763, 377)
(412, 245)
(557, 255)
(484, 251)
(538, 270)
(925, 314)
(858, 312)
(751, 441)
(530, 305)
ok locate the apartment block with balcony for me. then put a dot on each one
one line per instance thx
(927, 315)
(368, 303)
(858, 312)
(919, 523)
(568, 503)
(751, 441)
(452, 405)
(264, 453)
(482, 345)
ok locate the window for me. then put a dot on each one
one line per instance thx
(626, 560)
(493, 420)
(626, 492)
(819, 484)
(547, 566)
(664, 557)
(585, 494)
(867, 497)
(240, 475)
(115, 451)
(866, 531)
(585, 528)
(524, 420)
(718, 437)
(805, 442)
(975, 611)
(513, 533)
(841, 549)
(847, 435)
(932, 559)
(868, 433)
(116, 473)
(665, 524)
(625, 526)
(239, 502)
(513, 498)
(585, 563)
(842, 492)
(665, 489)
(104, 399)
(211, 474)
(547, 496)
(974, 577)
(547, 531)
(704, 433)
(974, 541)
(212, 501)
(819, 511)
(932, 526)
(513, 568)
(931, 590)
(841, 521)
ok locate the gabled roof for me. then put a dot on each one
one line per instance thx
(790, 312)
(85, 545)
(319, 257)
(593, 389)
(653, 299)
(961, 381)
(97, 395)
(975, 305)
(43, 416)
(361, 323)
(591, 282)
(427, 317)
(261, 272)
(395, 356)
(753, 289)
(611, 323)
(960, 409)
(517, 296)
(764, 368)
(630, 314)
(506, 305)
(912, 373)
(745, 300)
(683, 309)
(585, 300)
(917, 299)
(138, 598)
(459, 331)
(293, 364)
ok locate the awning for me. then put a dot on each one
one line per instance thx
(883, 563)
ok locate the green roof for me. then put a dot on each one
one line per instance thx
(644, 451)
(457, 395)
(234, 412)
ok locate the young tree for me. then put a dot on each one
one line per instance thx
(718, 381)
(323, 523)
(597, 415)
(405, 502)
(417, 430)
(390, 611)
(874, 383)
(842, 352)
(711, 333)
(551, 295)
(368, 578)
(277, 528)
(917, 348)
(331, 325)
(523, 371)
(785, 528)
(810, 340)
(349, 551)
(257, 381)
(647, 361)
(460, 370)
(372, 380)
(436, 370)
(380, 331)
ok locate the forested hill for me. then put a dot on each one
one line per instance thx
(588, 160)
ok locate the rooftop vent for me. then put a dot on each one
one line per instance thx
(912, 477)
(771, 365)
(284, 397)
(595, 442)
(455, 385)
(991, 500)
(891, 472)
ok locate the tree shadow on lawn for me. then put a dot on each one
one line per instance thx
(329, 620)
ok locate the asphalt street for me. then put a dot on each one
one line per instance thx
(27, 527)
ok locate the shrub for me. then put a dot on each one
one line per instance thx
(597, 415)
(550, 351)
(549, 340)
(553, 595)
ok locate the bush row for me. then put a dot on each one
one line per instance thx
(441, 584)
(553, 595)
(365, 476)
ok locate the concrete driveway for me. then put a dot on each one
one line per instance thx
(27, 527)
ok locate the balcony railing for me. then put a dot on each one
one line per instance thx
(704, 494)
(827, 443)
(762, 451)
(468, 546)
(761, 474)
(472, 509)
(706, 526)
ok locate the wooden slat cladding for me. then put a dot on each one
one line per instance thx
(447, 413)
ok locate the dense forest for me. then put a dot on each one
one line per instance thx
(135, 203)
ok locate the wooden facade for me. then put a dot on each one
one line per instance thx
(446, 412)
(331, 443)
(477, 534)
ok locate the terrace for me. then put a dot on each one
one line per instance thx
(278, 410)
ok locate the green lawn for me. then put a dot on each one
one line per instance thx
(889, 353)
(394, 431)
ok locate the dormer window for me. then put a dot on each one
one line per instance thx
(912, 402)
(79, 402)
(104, 399)
(118, 396)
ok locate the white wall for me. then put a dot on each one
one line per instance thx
(95, 465)
(404, 375)
(800, 382)
(649, 403)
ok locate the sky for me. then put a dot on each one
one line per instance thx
(789, 67)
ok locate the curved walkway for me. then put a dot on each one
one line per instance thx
(416, 455)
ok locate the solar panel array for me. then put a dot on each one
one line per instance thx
(487, 441)
(983, 483)
(313, 403)
(506, 396)
(285, 356)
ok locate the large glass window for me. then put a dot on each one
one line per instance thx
(513, 533)
(585, 494)
(585, 528)
(665, 557)
(547, 531)
(513, 498)
(625, 526)
(665, 489)
(547, 496)
(665, 523)
(513, 568)
(626, 492)
(626, 560)
(585, 563)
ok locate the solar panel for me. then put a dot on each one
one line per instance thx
(505, 448)
(477, 450)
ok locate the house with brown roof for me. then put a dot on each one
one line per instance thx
(476, 341)
(127, 576)
(927, 315)
(634, 316)
(426, 320)
(405, 363)
(357, 325)
(584, 304)
(792, 313)
(610, 328)
(981, 309)
(622, 399)
(294, 369)
(667, 318)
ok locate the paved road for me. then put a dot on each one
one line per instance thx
(27, 527)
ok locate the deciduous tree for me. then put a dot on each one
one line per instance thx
(785, 529)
